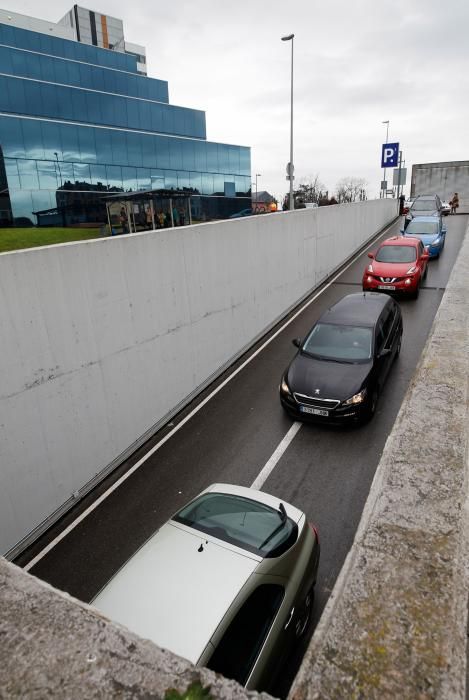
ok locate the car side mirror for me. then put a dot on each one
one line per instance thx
(296, 342)
(384, 352)
(443, 230)
(425, 256)
(370, 255)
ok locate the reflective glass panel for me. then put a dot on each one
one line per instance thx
(28, 175)
(48, 172)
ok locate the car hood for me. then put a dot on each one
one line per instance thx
(391, 269)
(335, 380)
(426, 238)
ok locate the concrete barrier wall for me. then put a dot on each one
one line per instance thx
(101, 340)
(395, 625)
(445, 179)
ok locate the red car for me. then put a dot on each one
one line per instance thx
(398, 266)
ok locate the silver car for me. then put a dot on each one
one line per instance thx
(227, 582)
(424, 205)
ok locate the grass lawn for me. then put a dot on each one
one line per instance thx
(16, 238)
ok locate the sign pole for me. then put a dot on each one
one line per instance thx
(399, 175)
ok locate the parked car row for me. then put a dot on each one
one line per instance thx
(341, 365)
(228, 582)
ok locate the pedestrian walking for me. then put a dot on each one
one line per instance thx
(148, 218)
(454, 204)
(123, 220)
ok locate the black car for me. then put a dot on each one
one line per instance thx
(342, 364)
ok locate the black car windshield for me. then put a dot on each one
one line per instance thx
(416, 228)
(424, 205)
(329, 341)
(240, 521)
(396, 254)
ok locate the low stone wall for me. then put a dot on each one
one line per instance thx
(53, 646)
(395, 625)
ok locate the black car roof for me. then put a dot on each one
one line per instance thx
(361, 309)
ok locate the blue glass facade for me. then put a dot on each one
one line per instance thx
(75, 117)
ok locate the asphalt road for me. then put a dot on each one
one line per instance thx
(327, 472)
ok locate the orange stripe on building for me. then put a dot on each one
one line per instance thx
(105, 34)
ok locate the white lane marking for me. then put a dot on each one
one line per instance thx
(156, 447)
(263, 475)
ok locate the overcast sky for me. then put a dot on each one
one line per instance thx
(355, 64)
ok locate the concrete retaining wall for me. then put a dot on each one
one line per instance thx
(102, 340)
(395, 625)
(445, 179)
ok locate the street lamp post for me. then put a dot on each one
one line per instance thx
(290, 168)
(384, 169)
(58, 165)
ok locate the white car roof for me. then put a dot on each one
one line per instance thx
(174, 594)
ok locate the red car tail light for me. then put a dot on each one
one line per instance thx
(315, 530)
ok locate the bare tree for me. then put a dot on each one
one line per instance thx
(351, 189)
(310, 189)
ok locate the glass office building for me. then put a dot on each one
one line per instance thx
(79, 122)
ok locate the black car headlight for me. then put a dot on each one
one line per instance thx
(355, 399)
(284, 388)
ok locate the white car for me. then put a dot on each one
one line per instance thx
(445, 207)
(227, 582)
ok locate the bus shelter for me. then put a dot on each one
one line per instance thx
(129, 212)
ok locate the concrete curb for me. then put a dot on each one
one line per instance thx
(395, 624)
(52, 645)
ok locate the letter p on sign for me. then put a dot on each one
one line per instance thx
(389, 155)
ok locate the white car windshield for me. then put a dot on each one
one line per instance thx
(241, 521)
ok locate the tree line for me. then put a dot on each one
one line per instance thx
(348, 189)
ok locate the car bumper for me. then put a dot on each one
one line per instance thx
(398, 287)
(434, 251)
(341, 415)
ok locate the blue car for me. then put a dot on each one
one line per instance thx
(430, 230)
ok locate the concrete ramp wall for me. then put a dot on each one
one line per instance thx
(102, 340)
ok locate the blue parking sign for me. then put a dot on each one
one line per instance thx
(389, 155)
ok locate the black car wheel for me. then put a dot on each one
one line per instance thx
(371, 407)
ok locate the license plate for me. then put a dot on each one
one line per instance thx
(314, 411)
(386, 286)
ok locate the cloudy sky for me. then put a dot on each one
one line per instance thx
(355, 64)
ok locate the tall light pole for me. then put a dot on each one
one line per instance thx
(290, 167)
(384, 169)
(58, 164)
